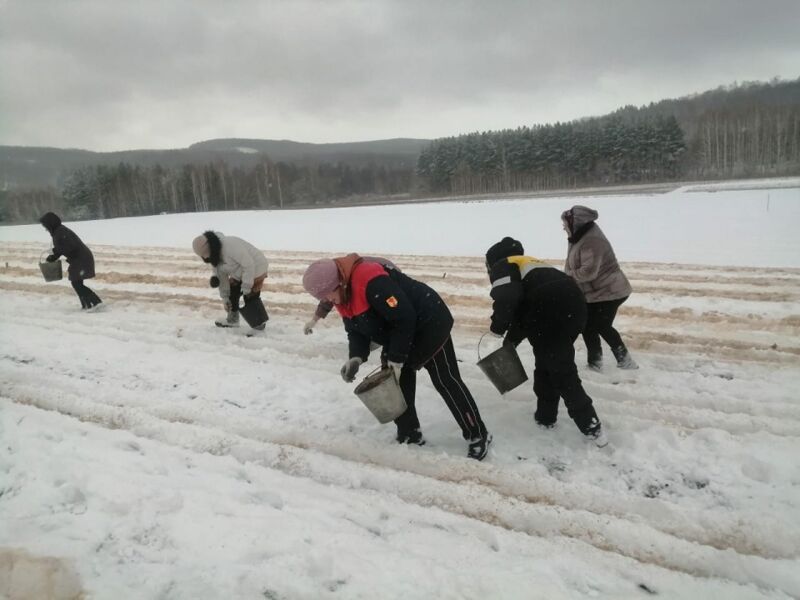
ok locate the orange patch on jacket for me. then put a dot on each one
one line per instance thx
(391, 301)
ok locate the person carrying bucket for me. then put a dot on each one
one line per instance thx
(412, 323)
(81, 260)
(325, 307)
(239, 270)
(537, 301)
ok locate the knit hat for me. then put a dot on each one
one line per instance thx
(321, 278)
(201, 247)
(503, 249)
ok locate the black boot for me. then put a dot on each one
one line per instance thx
(624, 360)
(411, 437)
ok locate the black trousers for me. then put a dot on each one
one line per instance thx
(560, 316)
(87, 297)
(235, 295)
(600, 323)
(446, 378)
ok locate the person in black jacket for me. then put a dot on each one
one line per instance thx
(81, 260)
(536, 301)
(412, 323)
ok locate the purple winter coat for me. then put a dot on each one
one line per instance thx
(590, 258)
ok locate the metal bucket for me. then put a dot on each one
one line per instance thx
(254, 312)
(503, 367)
(381, 394)
(52, 271)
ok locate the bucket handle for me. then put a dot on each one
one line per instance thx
(380, 368)
(47, 253)
(479, 344)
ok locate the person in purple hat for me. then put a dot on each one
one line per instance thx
(325, 307)
(412, 323)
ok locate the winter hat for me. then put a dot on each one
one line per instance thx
(321, 278)
(201, 247)
(503, 249)
(581, 215)
(50, 221)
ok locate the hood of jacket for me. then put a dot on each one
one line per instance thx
(50, 221)
(346, 264)
(578, 217)
(215, 246)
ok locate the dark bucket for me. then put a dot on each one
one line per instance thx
(52, 271)
(381, 394)
(254, 312)
(503, 368)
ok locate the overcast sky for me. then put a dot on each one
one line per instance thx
(123, 74)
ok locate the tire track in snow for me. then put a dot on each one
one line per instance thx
(768, 539)
(465, 494)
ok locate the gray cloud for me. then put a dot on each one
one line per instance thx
(113, 74)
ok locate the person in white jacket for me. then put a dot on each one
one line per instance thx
(239, 270)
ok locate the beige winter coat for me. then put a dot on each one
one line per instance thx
(591, 260)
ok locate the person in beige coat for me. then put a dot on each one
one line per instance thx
(592, 263)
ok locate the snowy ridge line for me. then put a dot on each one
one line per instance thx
(470, 499)
(747, 535)
(441, 273)
(719, 347)
(777, 411)
(692, 414)
(461, 304)
(286, 282)
(437, 264)
(779, 417)
(689, 418)
(713, 346)
(189, 300)
(789, 323)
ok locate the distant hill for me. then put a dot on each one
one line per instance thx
(750, 129)
(23, 166)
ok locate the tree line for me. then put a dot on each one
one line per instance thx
(749, 130)
(743, 130)
(126, 190)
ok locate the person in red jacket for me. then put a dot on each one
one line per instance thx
(325, 307)
(412, 323)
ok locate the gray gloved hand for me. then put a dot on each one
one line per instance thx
(309, 326)
(396, 367)
(350, 368)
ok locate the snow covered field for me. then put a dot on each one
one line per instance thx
(156, 456)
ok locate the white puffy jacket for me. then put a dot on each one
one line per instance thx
(239, 260)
